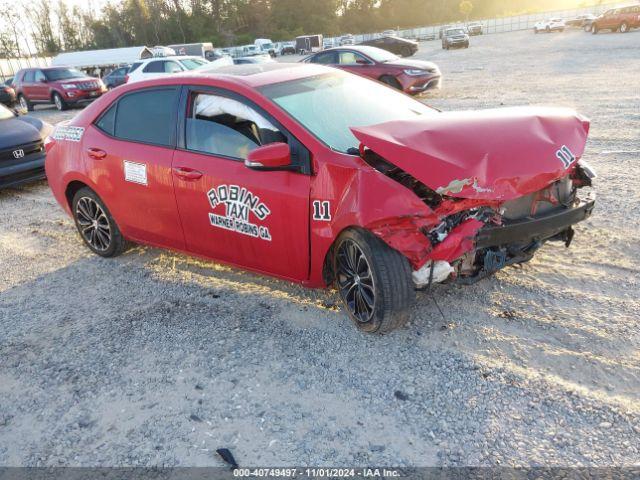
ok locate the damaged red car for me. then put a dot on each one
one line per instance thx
(321, 177)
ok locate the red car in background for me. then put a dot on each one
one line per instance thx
(618, 19)
(61, 86)
(320, 177)
(410, 76)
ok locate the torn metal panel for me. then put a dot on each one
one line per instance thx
(495, 154)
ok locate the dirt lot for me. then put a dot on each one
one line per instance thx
(155, 358)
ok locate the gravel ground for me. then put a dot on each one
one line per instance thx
(156, 358)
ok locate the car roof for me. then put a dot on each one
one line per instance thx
(366, 49)
(252, 75)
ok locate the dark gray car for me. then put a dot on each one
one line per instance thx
(22, 150)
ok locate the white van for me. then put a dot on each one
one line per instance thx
(265, 45)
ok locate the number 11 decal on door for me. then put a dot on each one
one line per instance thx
(321, 210)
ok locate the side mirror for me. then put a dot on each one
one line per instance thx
(361, 61)
(43, 80)
(273, 156)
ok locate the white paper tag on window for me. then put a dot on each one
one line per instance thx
(135, 172)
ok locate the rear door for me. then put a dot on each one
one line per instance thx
(256, 219)
(27, 87)
(128, 153)
(40, 86)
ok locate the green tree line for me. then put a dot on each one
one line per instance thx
(50, 27)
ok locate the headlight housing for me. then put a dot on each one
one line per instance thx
(69, 86)
(414, 72)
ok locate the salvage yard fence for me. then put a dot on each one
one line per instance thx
(491, 25)
(8, 67)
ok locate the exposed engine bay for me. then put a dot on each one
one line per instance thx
(472, 238)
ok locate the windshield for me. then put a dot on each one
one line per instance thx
(5, 113)
(379, 55)
(63, 74)
(454, 31)
(192, 63)
(327, 105)
(267, 46)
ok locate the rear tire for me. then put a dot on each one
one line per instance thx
(60, 104)
(406, 52)
(594, 29)
(24, 103)
(391, 81)
(548, 29)
(95, 224)
(624, 28)
(373, 281)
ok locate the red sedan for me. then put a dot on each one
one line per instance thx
(410, 76)
(320, 177)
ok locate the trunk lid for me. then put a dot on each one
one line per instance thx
(496, 154)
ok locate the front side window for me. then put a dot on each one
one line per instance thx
(328, 105)
(192, 63)
(172, 67)
(352, 58)
(224, 126)
(39, 76)
(29, 77)
(146, 116)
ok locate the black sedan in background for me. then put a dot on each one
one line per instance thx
(397, 45)
(21, 148)
(7, 93)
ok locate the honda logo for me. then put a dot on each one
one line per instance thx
(18, 153)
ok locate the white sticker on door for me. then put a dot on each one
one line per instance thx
(135, 172)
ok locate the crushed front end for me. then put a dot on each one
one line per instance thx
(493, 210)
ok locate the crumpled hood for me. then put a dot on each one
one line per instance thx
(496, 154)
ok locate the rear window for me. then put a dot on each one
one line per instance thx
(134, 67)
(146, 116)
(154, 67)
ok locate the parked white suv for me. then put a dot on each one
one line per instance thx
(159, 66)
(551, 25)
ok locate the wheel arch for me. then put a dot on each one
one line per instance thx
(72, 188)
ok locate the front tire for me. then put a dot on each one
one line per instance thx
(624, 28)
(406, 52)
(373, 281)
(391, 81)
(594, 29)
(60, 104)
(95, 224)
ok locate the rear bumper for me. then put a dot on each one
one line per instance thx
(23, 172)
(536, 228)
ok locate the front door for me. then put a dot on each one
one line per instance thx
(258, 220)
(356, 63)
